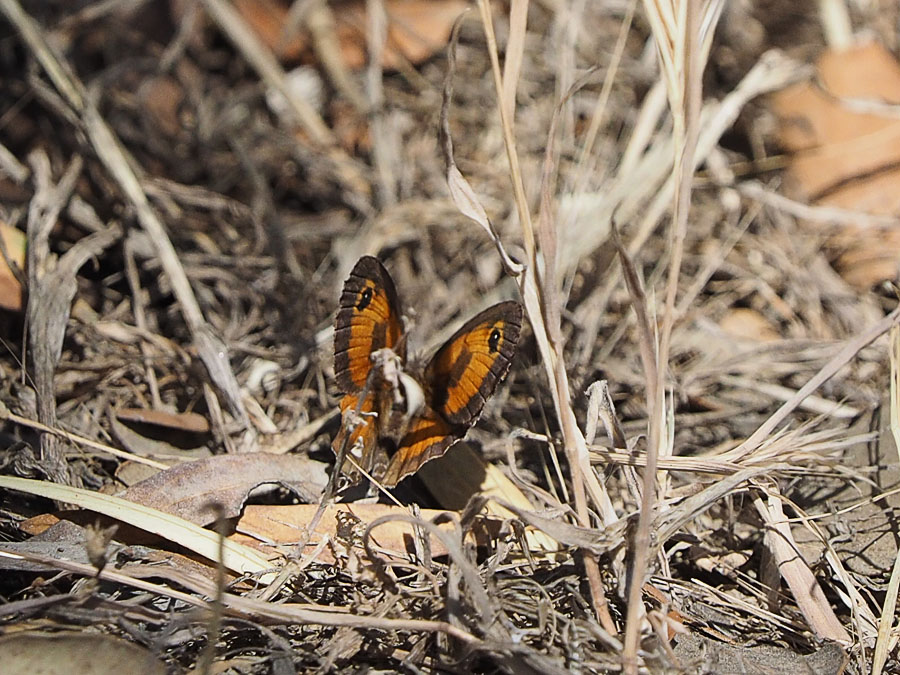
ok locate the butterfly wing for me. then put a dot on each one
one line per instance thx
(460, 377)
(463, 373)
(368, 320)
(427, 437)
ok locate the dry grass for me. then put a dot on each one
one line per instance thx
(188, 258)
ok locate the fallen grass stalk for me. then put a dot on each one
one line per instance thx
(864, 619)
(6, 414)
(236, 557)
(885, 642)
(794, 570)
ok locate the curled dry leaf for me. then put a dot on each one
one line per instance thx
(187, 490)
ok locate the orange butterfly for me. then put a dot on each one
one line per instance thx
(394, 420)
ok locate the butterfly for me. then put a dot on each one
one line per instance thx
(396, 416)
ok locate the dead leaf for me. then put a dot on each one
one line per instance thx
(267, 18)
(186, 421)
(868, 257)
(161, 97)
(417, 29)
(149, 440)
(10, 288)
(187, 490)
(833, 140)
(84, 652)
(748, 324)
(129, 473)
(286, 525)
(846, 138)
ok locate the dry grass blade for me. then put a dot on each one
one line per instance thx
(850, 349)
(885, 643)
(682, 32)
(462, 194)
(639, 304)
(237, 557)
(5, 414)
(543, 303)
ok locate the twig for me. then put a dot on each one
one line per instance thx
(81, 440)
(804, 587)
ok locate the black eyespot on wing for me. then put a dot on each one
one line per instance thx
(364, 299)
(464, 372)
(494, 340)
(368, 320)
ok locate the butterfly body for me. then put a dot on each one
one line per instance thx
(395, 416)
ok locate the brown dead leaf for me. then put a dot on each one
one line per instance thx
(148, 439)
(268, 18)
(286, 525)
(187, 490)
(81, 652)
(128, 473)
(834, 140)
(847, 143)
(10, 288)
(868, 257)
(748, 324)
(38, 524)
(162, 97)
(186, 421)
(417, 29)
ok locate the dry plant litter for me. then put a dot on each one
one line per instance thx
(689, 467)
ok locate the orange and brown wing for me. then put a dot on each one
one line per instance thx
(463, 373)
(357, 423)
(428, 437)
(460, 377)
(368, 320)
